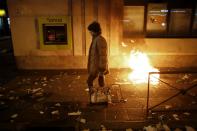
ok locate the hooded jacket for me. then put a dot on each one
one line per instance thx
(98, 56)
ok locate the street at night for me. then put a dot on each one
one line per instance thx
(98, 65)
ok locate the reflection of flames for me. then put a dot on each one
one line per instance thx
(139, 63)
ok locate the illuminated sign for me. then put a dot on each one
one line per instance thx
(2, 12)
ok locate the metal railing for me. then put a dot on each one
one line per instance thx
(180, 91)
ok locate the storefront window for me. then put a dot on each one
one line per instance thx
(159, 19)
(133, 21)
(180, 20)
(156, 19)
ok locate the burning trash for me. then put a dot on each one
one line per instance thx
(140, 65)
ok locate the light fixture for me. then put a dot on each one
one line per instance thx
(2, 12)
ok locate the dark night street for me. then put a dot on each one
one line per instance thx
(98, 65)
(34, 99)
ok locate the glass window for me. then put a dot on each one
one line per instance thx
(180, 20)
(156, 19)
(163, 19)
(133, 21)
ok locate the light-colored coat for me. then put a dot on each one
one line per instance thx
(98, 56)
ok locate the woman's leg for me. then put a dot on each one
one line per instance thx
(90, 81)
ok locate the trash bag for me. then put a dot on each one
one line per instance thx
(100, 96)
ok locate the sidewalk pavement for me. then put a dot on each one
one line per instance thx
(59, 100)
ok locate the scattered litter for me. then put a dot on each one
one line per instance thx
(14, 116)
(195, 80)
(83, 120)
(176, 117)
(149, 117)
(44, 84)
(56, 112)
(58, 104)
(41, 112)
(38, 94)
(74, 113)
(125, 100)
(51, 80)
(103, 128)
(11, 98)
(186, 113)
(185, 77)
(44, 78)
(87, 89)
(168, 106)
(129, 129)
(188, 128)
(32, 91)
(78, 77)
(150, 128)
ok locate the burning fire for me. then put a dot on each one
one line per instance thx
(139, 63)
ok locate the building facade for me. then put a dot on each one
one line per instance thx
(52, 34)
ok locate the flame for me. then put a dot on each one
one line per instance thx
(123, 44)
(140, 65)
